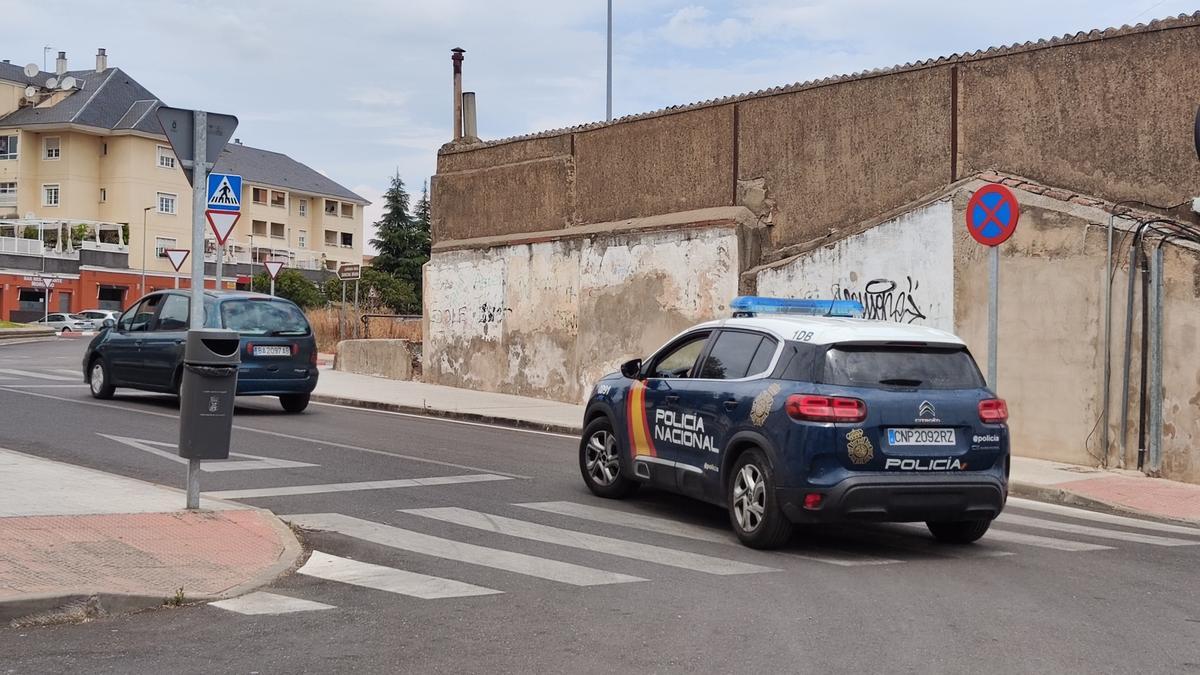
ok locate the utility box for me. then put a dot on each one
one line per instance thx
(210, 370)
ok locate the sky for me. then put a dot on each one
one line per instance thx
(361, 89)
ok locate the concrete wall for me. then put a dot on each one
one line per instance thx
(901, 270)
(546, 319)
(382, 358)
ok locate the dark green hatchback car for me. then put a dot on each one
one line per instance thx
(143, 349)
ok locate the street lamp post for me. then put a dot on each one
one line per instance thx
(145, 215)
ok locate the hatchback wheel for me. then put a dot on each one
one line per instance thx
(600, 461)
(99, 380)
(959, 531)
(753, 507)
(294, 403)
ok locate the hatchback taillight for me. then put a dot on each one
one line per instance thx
(993, 411)
(249, 349)
(809, 408)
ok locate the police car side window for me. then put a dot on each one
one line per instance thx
(734, 354)
(679, 360)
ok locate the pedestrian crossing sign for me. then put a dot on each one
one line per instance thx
(224, 192)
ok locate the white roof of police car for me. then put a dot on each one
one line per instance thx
(831, 330)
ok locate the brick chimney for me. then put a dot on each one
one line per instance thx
(101, 60)
(60, 64)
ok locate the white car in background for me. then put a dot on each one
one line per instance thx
(98, 316)
(68, 323)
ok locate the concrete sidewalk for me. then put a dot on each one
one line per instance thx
(76, 542)
(1122, 491)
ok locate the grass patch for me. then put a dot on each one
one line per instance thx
(10, 324)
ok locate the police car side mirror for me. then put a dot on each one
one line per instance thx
(632, 369)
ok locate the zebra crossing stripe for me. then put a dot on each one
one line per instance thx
(1088, 530)
(1096, 516)
(289, 490)
(381, 578)
(589, 542)
(40, 376)
(1042, 542)
(437, 547)
(261, 602)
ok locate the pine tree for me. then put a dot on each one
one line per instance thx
(403, 238)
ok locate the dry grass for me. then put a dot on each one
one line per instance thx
(325, 325)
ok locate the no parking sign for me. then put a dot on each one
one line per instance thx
(992, 214)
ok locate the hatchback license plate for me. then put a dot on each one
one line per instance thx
(271, 350)
(920, 436)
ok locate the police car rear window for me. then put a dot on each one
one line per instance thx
(886, 367)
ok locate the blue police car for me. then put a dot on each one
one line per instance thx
(797, 411)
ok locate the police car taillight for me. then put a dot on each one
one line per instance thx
(993, 411)
(809, 408)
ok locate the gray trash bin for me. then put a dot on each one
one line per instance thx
(210, 369)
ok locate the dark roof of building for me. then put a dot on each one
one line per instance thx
(113, 100)
(276, 169)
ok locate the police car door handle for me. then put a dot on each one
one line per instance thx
(731, 404)
(671, 398)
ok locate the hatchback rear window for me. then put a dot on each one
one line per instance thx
(883, 367)
(263, 317)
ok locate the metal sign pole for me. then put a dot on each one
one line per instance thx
(272, 287)
(199, 201)
(1155, 367)
(46, 301)
(176, 278)
(993, 313)
(356, 309)
(220, 262)
(342, 314)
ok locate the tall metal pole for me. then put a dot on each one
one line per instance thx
(220, 261)
(145, 215)
(356, 317)
(272, 287)
(196, 318)
(342, 314)
(1154, 445)
(993, 314)
(1107, 398)
(608, 97)
(1128, 356)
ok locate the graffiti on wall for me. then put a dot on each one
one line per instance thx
(886, 299)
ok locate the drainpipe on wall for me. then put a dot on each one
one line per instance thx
(457, 58)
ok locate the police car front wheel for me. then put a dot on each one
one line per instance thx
(960, 531)
(600, 462)
(753, 506)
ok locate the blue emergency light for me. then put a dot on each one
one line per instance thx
(753, 305)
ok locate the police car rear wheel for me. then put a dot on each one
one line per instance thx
(959, 532)
(600, 462)
(753, 509)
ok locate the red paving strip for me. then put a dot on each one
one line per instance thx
(205, 553)
(1148, 495)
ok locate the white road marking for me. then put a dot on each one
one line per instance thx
(261, 602)
(518, 563)
(38, 376)
(76, 374)
(379, 577)
(635, 520)
(288, 490)
(1083, 514)
(247, 463)
(589, 542)
(1042, 542)
(448, 420)
(1154, 540)
(49, 386)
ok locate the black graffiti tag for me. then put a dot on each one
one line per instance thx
(881, 300)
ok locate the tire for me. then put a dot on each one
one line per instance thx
(753, 506)
(64, 330)
(100, 380)
(959, 531)
(600, 462)
(294, 403)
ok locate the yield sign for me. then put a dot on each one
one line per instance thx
(222, 223)
(176, 256)
(273, 267)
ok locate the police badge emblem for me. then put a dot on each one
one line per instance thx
(762, 405)
(859, 447)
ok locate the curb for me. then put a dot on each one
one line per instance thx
(479, 418)
(1053, 495)
(7, 334)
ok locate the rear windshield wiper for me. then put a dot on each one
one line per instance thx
(901, 382)
(283, 333)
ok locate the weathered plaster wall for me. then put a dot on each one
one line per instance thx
(901, 270)
(546, 319)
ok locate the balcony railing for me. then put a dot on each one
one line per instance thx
(239, 252)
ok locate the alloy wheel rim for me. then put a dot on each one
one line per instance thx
(601, 459)
(749, 498)
(97, 378)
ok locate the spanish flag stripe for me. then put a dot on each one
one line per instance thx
(639, 426)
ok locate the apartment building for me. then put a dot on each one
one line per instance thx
(91, 193)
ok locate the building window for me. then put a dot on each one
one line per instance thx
(331, 207)
(50, 195)
(278, 199)
(8, 147)
(331, 238)
(303, 208)
(166, 203)
(166, 158)
(8, 194)
(347, 210)
(111, 297)
(278, 231)
(302, 239)
(104, 148)
(161, 244)
(259, 195)
(347, 240)
(103, 195)
(259, 228)
(52, 147)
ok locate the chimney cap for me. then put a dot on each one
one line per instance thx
(62, 55)
(101, 51)
(459, 50)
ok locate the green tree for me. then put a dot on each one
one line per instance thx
(403, 238)
(292, 285)
(377, 291)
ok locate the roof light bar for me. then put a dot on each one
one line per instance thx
(753, 305)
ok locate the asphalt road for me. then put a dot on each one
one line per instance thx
(466, 577)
